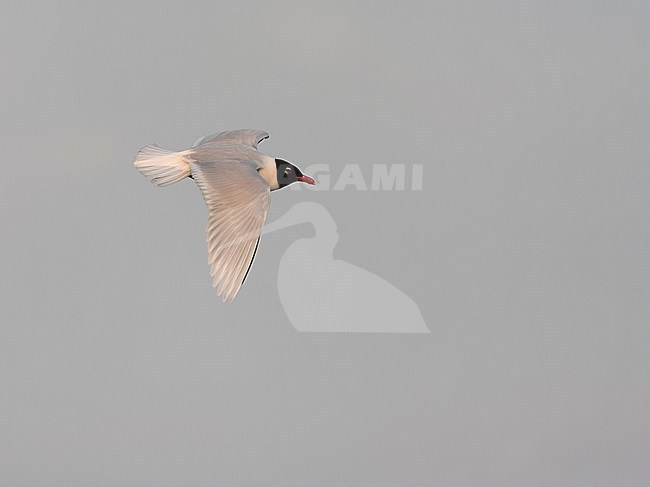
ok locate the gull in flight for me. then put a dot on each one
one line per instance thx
(236, 181)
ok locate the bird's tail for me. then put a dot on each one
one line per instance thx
(161, 166)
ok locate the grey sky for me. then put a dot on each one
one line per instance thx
(526, 250)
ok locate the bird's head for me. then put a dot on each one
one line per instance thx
(287, 173)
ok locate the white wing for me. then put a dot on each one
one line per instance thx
(238, 200)
(249, 137)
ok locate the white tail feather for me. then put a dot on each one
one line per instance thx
(161, 166)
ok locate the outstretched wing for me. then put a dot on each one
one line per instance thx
(238, 200)
(249, 137)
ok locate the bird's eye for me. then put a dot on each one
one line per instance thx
(287, 171)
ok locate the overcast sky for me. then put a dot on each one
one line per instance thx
(526, 250)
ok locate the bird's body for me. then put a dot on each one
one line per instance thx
(236, 180)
